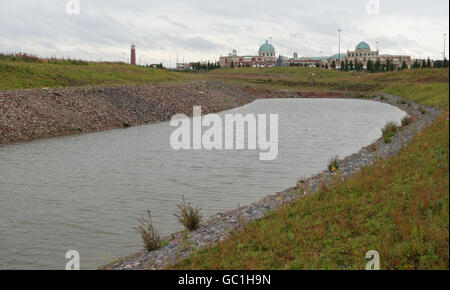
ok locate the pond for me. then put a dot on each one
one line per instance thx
(85, 192)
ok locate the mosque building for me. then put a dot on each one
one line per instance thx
(363, 53)
(266, 58)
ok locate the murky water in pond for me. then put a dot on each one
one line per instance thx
(85, 192)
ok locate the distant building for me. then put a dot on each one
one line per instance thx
(133, 55)
(195, 65)
(363, 53)
(184, 66)
(266, 58)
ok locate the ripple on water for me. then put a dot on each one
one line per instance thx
(85, 192)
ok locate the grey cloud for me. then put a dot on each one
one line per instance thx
(208, 28)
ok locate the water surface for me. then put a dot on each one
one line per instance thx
(85, 192)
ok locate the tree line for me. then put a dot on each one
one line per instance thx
(378, 66)
(206, 66)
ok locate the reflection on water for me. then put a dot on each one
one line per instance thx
(85, 192)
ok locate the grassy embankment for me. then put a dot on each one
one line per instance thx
(399, 207)
(38, 73)
(429, 86)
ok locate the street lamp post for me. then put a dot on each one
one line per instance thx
(445, 36)
(339, 55)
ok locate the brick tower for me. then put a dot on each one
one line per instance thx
(133, 55)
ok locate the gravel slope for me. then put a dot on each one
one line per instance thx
(39, 113)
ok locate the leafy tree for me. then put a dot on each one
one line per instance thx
(377, 66)
(370, 66)
(445, 63)
(358, 65)
(428, 63)
(404, 65)
(390, 65)
(333, 64)
(351, 65)
(232, 64)
(424, 64)
(342, 65)
(326, 65)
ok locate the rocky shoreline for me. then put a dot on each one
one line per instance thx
(182, 245)
(32, 114)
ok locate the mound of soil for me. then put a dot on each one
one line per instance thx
(38, 113)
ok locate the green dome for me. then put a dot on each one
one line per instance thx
(362, 45)
(267, 47)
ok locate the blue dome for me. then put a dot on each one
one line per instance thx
(362, 45)
(267, 47)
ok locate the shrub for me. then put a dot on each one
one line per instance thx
(372, 147)
(150, 237)
(333, 164)
(189, 217)
(389, 131)
(362, 96)
(406, 121)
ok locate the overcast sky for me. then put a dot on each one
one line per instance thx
(206, 29)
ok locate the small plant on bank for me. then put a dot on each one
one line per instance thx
(189, 217)
(150, 237)
(423, 111)
(406, 121)
(333, 164)
(372, 147)
(389, 131)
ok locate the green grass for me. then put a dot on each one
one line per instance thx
(399, 207)
(389, 130)
(19, 75)
(294, 78)
(18, 72)
(429, 94)
(429, 86)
